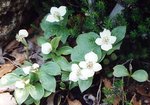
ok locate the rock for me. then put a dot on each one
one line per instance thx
(11, 13)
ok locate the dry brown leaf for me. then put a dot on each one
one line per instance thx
(74, 102)
(6, 68)
(143, 90)
(12, 45)
(9, 66)
(19, 57)
(116, 101)
(107, 83)
(7, 99)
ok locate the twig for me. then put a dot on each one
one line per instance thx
(133, 98)
(98, 97)
(130, 60)
(11, 62)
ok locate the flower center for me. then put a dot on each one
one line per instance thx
(78, 72)
(57, 15)
(105, 40)
(89, 65)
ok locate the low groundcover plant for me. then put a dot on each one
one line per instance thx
(34, 81)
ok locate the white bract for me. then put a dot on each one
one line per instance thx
(106, 40)
(76, 73)
(90, 65)
(21, 34)
(46, 48)
(26, 69)
(56, 14)
(20, 84)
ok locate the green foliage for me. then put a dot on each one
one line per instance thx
(9, 79)
(51, 68)
(21, 95)
(55, 42)
(85, 44)
(36, 91)
(85, 84)
(47, 81)
(140, 76)
(120, 71)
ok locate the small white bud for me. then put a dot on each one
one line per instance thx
(46, 48)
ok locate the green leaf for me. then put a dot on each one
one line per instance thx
(36, 91)
(119, 32)
(140, 75)
(47, 93)
(63, 63)
(9, 79)
(55, 42)
(85, 44)
(120, 71)
(72, 85)
(48, 82)
(51, 68)
(85, 84)
(57, 29)
(65, 50)
(65, 76)
(21, 95)
(115, 47)
(41, 40)
(19, 71)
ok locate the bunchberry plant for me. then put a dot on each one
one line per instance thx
(76, 64)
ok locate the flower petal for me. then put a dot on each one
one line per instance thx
(62, 10)
(82, 64)
(50, 18)
(73, 77)
(106, 47)
(97, 67)
(98, 41)
(83, 75)
(75, 68)
(112, 39)
(53, 10)
(105, 33)
(91, 56)
(87, 73)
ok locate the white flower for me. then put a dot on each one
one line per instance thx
(35, 66)
(20, 84)
(46, 48)
(76, 73)
(106, 40)
(26, 69)
(90, 65)
(56, 14)
(21, 35)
